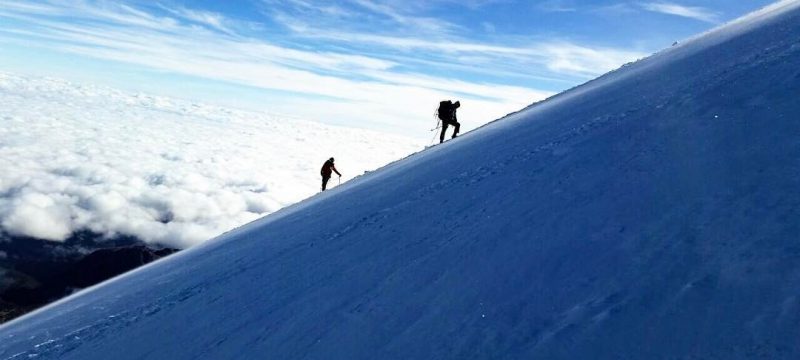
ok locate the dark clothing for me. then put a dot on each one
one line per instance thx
(456, 127)
(328, 168)
(446, 109)
(325, 182)
(447, 113)
(326, 171)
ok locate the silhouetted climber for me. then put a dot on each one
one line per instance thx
(447, 113)
(327, 169)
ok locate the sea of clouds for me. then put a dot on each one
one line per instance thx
(168, 171)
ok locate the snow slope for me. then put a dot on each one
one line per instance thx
(649, 214)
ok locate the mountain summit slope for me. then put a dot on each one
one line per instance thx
(649, 214)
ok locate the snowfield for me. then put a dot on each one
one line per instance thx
(652, 213)
(164, 170)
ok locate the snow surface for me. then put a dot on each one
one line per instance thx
(649, 214)
(164, 170)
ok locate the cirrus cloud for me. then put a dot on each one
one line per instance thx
(364, 69)
(691, 12)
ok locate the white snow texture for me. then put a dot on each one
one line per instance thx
(649, 214)
(164, 170)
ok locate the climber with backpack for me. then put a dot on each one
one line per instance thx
(447, 115)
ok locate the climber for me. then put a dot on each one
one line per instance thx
(447, 114)
(327, 169)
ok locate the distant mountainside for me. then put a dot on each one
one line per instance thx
(34, 272)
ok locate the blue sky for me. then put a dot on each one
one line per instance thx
(374, 64)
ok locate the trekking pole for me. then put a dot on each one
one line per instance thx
(438, 125)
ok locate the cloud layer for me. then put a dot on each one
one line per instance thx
(165, 170)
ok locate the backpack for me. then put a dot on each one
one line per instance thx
(445, 111)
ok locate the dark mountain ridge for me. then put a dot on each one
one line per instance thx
(35, 272)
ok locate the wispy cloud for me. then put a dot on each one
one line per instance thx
(616, 9)
(691, 12)
(557, 6)
(561, 57)
(210, 19)
(421, 23)
(443, 44)
(357, 70)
